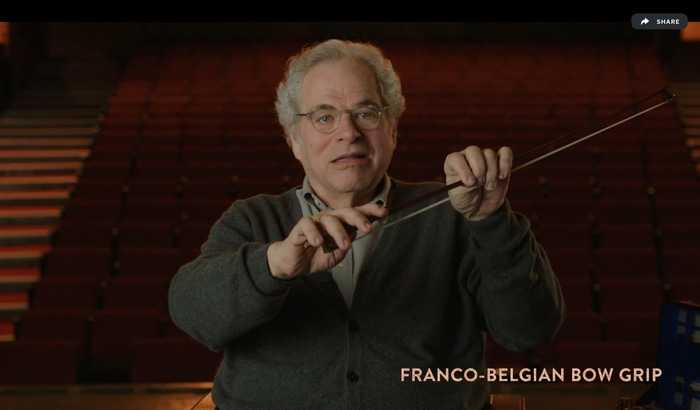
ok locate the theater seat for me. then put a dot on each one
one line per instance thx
(94, 262)
(112, 332)
(631, 296)
(169, 360)
(39, 362)
(596, 354)
(642, 328)
(66, 292)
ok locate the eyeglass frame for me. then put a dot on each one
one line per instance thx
(380, 110)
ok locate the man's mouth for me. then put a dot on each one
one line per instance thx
(351, 156)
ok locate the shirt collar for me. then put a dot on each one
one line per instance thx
(311, 197)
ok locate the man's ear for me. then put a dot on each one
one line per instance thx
(394, 132)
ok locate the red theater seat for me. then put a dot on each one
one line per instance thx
(618, 212)
(685, 236)
(642, 328)
(627, 263)
(55, 324)
(152, 211)
(80, 211)
(151, 262)
(160, 190)
(137, 293)
(146, 235)
(680, 264)
(66, 292)
(168, 360)
(112, 333)
(109, 191)
(629, 296)
(193, 236)
(39, 362)
(574, 263)
(564, 236)
(85, 234)
(581, 327)
(625, 236)
(596, 355)
(205, 211)
(94, 262)
(578, 294)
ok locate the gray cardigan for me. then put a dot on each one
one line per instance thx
(423, 299)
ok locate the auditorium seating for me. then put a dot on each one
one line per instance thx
(187, 132)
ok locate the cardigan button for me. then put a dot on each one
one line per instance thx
(353, 326)
(353, 377)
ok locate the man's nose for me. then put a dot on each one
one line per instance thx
(347, 129)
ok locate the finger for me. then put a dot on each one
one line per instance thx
(505, 162)
(373, 209)
(456, 164)
(476, 162)
(334, 227)
(491, 168)
(353, 217)
(307, 231)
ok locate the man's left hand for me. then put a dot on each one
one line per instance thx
(485, 175)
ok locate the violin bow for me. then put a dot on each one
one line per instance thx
(398, 214)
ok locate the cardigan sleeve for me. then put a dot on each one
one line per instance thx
(228, 289)
(509, 275)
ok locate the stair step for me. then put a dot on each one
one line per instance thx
(24, 234)
(28, 231)
(49, 197)
(29, 168)
(49, 132)
(43, 143)
(13, 301)
(14, 256)
(29, 211)
(19, 277)
(25, 215)
(7, 331)
(34, 181)
(23, 155)
(46, 113)
(13, 122)
(695, 132)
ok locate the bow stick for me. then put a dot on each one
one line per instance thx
(395, 215)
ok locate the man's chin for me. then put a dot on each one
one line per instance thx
(357, 184)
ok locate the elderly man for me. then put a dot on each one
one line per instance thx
(302, 328)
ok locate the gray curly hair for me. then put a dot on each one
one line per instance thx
(289, 89)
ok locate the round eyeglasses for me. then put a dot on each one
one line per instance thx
(327, 120)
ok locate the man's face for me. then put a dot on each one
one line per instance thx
(344, 85)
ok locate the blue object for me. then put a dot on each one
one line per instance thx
(679, 357)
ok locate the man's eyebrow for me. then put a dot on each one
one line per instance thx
(366, 103)
(363, 103)
(322, 107)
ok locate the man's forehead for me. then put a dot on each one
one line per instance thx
(344, 81)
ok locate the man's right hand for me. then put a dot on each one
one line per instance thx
(301, 252)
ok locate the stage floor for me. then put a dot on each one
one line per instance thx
(178, 396)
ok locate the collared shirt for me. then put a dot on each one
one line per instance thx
(347, 271)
